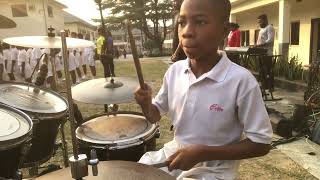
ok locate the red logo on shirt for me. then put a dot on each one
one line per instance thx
(216, 108)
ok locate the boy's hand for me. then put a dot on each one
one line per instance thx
(186, 158)
(144, 96)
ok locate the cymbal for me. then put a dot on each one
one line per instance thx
(102, 91)
(46, 42)
(6, 23)
(115, 170)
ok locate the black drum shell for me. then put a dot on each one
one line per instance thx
(44, 131)
(11, 155)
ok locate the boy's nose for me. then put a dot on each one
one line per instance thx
(188, 31)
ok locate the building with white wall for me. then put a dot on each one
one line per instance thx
(32, 17)
(297, 25)
(74, 24)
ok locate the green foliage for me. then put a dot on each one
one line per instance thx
(291, 69)
(149, 45)
(141, 13)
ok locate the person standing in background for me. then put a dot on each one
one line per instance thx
(266, 34)
(13, 65)
(124, 52)
(83, 61)
(234, 36)
(89, 56)
(1, 63)
(266, 41)
(23, 62)
(233, 40)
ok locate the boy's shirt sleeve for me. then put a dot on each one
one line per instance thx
(253, 116)
(161, 99)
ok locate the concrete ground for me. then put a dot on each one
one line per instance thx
(303, 151)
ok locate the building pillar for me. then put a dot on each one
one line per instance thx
(233, 18)
(284, 28)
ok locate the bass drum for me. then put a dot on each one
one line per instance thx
(47, 110)
(122, 136)
(15, 132)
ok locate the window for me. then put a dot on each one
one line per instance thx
(50, 11)
(19, 10)
(295, 33)
(245, 38)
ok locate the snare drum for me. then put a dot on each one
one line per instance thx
(15, 131)
(47, 110)
(122, 136)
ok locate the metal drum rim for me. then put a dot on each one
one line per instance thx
(40, 114)
(9, 144)
(119, 143)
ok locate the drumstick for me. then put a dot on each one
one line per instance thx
(175, 54)
(135, 55)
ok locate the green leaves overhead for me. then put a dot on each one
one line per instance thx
(150, 16)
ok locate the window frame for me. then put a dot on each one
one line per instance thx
(18, 8)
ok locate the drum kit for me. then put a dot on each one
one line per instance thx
(32, 115)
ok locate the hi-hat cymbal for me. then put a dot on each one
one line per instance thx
(102, 91)
(6, 23)
(46, 42)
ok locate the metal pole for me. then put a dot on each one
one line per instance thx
(69, 95)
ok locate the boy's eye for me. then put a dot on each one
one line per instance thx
(181, 22)
(200, 22)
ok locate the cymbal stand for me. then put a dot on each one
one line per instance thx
(78, 162)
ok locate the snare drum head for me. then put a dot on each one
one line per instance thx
(14, 125)
(115, 170)
(22, 96)
(114, 129)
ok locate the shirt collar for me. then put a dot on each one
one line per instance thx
(218, 72)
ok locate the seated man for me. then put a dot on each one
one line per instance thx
(215, 105)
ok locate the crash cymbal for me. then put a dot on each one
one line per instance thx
(115, 170)
(46, 42)
(102, 91)
(6, 23)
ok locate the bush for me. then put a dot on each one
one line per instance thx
(291, 69)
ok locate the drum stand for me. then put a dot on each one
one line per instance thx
(78, 162)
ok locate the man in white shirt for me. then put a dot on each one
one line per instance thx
(215, 105)
(266, 34)
(266, 41)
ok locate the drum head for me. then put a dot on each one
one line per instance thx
(22, 96)
(115, 170)
(115, 129)
(14, 127)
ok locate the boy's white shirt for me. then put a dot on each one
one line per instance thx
(215, 109)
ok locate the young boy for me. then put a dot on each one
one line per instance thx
(216, 106)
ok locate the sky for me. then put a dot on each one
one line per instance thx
(84, 9)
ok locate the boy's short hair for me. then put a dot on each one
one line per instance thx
(224, 6)
(263, 16)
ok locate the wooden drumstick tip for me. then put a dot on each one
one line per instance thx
(175, 54)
